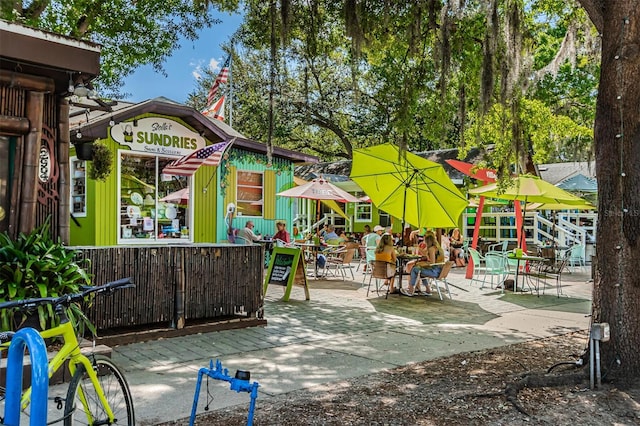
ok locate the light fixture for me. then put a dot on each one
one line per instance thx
(81, 90)
(79, 135)
(135, 122)
(111, 122)
(70, 89)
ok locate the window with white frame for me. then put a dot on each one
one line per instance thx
(250, 193)
(363, 212)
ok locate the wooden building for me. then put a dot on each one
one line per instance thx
(38, 72)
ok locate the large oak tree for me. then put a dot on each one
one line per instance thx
(616, 294)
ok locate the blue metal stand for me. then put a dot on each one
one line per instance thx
(39, 378)
(238, 385)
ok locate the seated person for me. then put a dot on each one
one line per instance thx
(282, 233)
(246, 234)
(331, 237)
(297, 235)
(445, 243)
(425, 268)
(386, 253)
(457, 253)
(422, 252)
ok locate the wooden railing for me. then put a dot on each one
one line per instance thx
(176, 284)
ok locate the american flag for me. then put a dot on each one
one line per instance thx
(222, 77)
(186, 166)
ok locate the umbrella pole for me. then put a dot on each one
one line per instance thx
(404, 210)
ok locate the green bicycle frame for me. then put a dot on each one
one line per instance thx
(70, 351)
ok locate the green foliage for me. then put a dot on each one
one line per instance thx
(132, 33)
(102, 162)
(33, 266)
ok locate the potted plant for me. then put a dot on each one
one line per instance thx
(34, 265)
(84, 151)
(101, 163)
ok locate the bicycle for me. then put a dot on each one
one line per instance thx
(97, 389)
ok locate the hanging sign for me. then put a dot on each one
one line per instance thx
(157, 135)
(286, 268)
(44, 164)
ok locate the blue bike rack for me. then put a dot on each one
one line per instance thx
(39, 378)
(238, 384)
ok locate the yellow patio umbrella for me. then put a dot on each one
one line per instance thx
(530, 189)
(408, 186)
(560, 206)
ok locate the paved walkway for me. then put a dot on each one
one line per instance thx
(341, 333)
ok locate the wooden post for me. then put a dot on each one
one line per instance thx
(64, 208)
(29, 193)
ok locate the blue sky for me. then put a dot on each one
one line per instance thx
(184, 65)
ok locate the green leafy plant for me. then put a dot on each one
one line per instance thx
(34, 265)
(102, 162)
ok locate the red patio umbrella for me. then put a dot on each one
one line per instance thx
(486, 176)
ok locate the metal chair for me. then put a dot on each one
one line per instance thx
(478, 267)
(577, 256)
(381, 271)
(500, 247)
(442, 278)
(495, 266)
(341, 259)
(553, 270)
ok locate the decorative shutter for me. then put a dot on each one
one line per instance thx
(269, 195)
(230, 190)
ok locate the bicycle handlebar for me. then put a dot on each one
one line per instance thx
(67, 299)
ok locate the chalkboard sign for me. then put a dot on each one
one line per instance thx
(286, 267)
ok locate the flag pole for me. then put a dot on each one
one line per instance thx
(230, 89)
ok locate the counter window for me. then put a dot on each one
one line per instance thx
(250, 193)
(152, 205)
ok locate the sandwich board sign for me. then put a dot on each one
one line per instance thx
(286, 268)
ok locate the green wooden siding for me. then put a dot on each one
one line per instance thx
(276, 179)
(204, 205)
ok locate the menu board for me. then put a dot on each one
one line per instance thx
(286, 268)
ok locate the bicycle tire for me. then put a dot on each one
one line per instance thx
(116, 391)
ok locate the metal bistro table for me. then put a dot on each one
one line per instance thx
(525, 258)
(402, 260)
(314, 249)
(268, 249)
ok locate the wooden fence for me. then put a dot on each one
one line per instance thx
(176, 284)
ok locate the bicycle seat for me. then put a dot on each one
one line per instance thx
(6, 336)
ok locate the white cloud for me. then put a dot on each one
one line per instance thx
(214, 64)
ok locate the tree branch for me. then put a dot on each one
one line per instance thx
(595, 11)
(35, 9)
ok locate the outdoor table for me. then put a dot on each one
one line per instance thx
(520, 258)
(268, 248)
(402, 260)
(314, 248)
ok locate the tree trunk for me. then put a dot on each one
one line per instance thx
(616, 294)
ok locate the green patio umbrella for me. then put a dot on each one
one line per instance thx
(408, 186)
(530, 189)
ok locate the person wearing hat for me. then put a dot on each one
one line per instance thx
(282, 233)
(370, 241)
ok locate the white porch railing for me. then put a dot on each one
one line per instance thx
(568, 229)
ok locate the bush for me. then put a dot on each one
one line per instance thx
(35, 266)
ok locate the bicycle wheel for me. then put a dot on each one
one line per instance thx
(116, 391)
